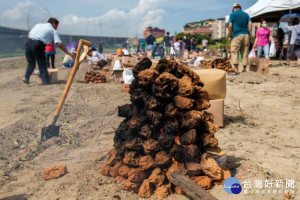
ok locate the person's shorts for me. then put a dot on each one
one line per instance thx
(150, 47)
(290, 51)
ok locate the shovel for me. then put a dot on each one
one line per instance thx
(52, 129)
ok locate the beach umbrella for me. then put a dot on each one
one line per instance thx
(72, 45)
(289, 17)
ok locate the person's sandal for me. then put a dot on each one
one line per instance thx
(25, 80)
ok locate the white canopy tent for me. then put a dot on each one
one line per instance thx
(272, 10)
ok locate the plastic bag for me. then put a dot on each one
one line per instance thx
(117, 65)
(272, 52)
(198, 61)
(128, 76)
(252, 54)
(172, 51)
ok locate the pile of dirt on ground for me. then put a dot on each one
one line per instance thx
(249, 77)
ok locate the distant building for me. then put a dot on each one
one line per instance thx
(203, 27)
(219, 28)
(156, 32)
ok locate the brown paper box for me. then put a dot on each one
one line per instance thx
(109, 57)
(214, 82)
(129, 61)
(52, 76)
(253, 64)
(259, 65)
(118, 74)
(217, 109)
(263, 66)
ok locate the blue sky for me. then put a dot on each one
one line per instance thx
(124, 18)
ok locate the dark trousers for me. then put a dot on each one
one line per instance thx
(52, 56)
(35, 52)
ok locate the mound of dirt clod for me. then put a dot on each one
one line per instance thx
(249, 77)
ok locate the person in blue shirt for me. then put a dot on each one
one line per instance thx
(240, 28)
(39, 36)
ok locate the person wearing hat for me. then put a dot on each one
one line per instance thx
(68, 60)
(39, 36)
(240, 28)
(96, 59)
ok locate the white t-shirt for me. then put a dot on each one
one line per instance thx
(125, 52)
(295, 30)
(176, 46)
(204, 42)
(45, 33)
(97, 56)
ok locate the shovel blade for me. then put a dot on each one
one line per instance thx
(49, 132)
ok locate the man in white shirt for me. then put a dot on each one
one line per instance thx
(204, 43)
(97, 58)
(39, 36)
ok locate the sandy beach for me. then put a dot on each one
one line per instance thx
(260, 136)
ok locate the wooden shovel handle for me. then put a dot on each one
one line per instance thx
(78, 59)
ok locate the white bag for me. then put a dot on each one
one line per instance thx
(198, 61)
(117, 65)
(127, 76)
(172, 52)
(252, 54)
(272, 52)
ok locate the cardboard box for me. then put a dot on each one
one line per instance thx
(52, 76)
(108, 56)
(84, 66)
(264, 64)
(253, 64)
(214, 82)
(126, 87)
(129, 61)
(259, 65)
(217, 109)
(118, 74)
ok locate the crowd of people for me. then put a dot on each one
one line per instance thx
(240, 29)
(43, 38)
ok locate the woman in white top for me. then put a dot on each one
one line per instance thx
(295, 40)
(177, 47)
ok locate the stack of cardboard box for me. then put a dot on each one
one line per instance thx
(215, 84)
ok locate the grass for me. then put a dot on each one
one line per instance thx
(7, 55)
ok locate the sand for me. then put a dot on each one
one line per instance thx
(260, 137)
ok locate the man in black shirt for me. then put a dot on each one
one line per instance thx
(187, 43)
(150, 43)
(167, 43)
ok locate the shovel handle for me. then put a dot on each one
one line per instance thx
(78, 59)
